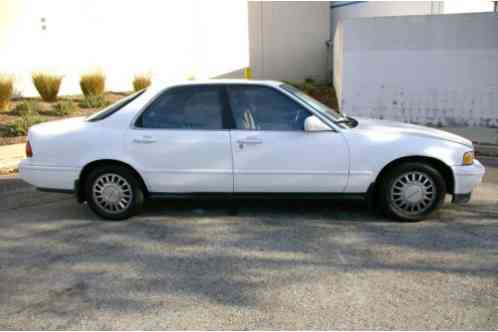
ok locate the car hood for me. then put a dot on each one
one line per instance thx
(385, 126)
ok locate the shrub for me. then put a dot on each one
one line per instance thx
(20, 126)
(27, 108)
(6, 91)
(94, 102)
(64, 107)
(47, 85)
(93, 84)
(140, 82)
(323, 93)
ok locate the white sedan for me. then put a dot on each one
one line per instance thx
(245, 138)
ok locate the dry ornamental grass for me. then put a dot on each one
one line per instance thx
(6, 91)
(47, 85)
(93, 84)
(141, 82)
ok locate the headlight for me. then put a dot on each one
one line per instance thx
(468, 158)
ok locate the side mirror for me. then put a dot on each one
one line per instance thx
(312, 123)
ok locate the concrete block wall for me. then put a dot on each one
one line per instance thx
(437, 70)
(288, 39)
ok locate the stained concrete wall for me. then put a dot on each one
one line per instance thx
(171, 40)
(439, 70)
(288, 39)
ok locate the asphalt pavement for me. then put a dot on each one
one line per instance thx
(271, 265)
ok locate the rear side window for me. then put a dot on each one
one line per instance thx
(110, 110)
(188, 107)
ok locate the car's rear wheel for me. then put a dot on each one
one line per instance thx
(412, 191)
(113, 192)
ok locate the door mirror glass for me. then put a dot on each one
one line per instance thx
(312, 123)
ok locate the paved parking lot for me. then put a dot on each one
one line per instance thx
(272, 265)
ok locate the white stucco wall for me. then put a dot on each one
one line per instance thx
(288, 39)
(440, 69)
(171, 40)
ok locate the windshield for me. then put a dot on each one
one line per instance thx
(108, 111)
(312, 102)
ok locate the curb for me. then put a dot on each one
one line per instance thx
(12, 184)
(488, 150)
(8, 171)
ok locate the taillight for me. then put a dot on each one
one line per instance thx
(29, 151)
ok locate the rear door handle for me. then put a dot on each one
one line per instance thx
(144, 140)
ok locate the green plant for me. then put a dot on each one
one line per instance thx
(94, 102)
(64, 107)
(47, 85)
(93, 84)
(140, 82)
(21, 126)
(6, 91)
(27, 108)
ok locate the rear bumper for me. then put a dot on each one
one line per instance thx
(49, 178)
(466, 179)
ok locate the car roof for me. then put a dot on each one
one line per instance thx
(156, 87)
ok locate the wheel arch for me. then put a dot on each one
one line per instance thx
(441, 166)
(80, 191)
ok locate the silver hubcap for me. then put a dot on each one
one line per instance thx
(112, 193)
(413, 192)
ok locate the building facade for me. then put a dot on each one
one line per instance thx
(170, 40)
(288, 39)
(174, 40)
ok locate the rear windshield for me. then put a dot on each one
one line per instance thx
(110, 110)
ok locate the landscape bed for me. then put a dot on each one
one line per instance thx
(46, 113)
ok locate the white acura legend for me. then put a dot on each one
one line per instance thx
(245, 138)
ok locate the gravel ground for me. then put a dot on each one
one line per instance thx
(270, 265)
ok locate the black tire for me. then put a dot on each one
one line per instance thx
(391, 206)
(134, 204)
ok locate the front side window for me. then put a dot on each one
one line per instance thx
(315, 104)
(187, 107)
(264, 108)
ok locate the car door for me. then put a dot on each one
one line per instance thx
(180, 142)
(273, 153)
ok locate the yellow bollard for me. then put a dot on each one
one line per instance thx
(247, 73)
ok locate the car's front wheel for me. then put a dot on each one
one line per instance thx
(412, 191)
(113, 192)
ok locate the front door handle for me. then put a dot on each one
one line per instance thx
(144, 140)
(248, 140)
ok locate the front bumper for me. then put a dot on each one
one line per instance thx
(466, 179)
